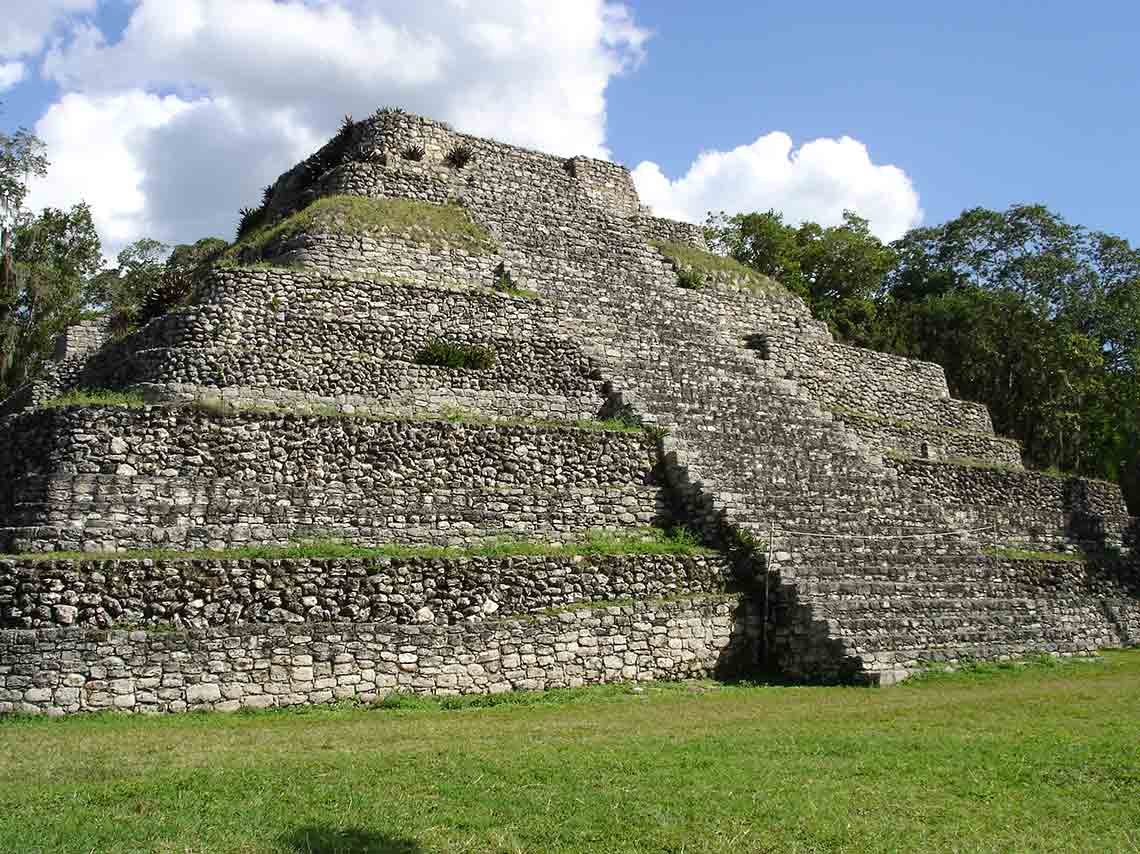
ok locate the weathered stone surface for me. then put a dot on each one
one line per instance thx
(200, 593)
(228, 668)
(199, 479)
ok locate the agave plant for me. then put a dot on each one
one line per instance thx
(250, 220)
(460, 156)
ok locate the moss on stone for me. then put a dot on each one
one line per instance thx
(95, 397)
(420, 222)
(694, 264)
(633, 541)
(1024, 554)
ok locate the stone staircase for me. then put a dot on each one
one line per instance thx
(751, 452)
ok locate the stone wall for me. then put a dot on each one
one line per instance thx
(111, 478)
(382, 252)
(82, 338)
(197, 593)
(931, 442)
(60, 671)
(670, 230)
(902, 617)
(751, 444)
(843, 377)
(1024, 508)
(279, 335)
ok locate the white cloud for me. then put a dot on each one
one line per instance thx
(92, 143)
(817, 181)
(261, 83)
(29, 23)
(11, 73)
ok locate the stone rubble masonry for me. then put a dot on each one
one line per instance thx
(1030, 509)
(264, 337)
(768, 432)
(257, 666)
(901, 618)
(915, 440)
(197, 593)
(107, 479)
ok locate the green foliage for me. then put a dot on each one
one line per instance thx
(422, 222)
(836, 270)
(23, 156)
(151, 279)
(449, 354)
(196, 257)
(504, 284)
(55, 256)
(1038, 319)
(412, 152)
(331, 154)
(460, 156)
(95, 397)
(250, 220)
(690, 279)
(121, 290)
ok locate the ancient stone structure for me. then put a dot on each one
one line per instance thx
(864, 520)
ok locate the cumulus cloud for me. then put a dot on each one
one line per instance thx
(93, 143)
(171, 128)
(11, 73)
(28, 24)
(261, 83)
(817, 181)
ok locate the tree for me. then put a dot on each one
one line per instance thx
(55, 256)
(193, 258)
(22, 157)
(1035, 317)
(121, 290)
(837, 270)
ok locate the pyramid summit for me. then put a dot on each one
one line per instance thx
(456, 416)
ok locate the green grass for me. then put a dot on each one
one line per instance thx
(456, 355)
(1035, 759)
(95, 397)
(420, 222)
(451, 414)
(646, 541)
(905, 424)
(974, 463)
(1023, 554)
(695, 265)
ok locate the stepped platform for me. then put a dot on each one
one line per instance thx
(449, 350)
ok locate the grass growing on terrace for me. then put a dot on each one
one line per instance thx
(1024, 554)
(634, 541)
(1041, 758)
(95, 397)
(689, 260)
(420, 222)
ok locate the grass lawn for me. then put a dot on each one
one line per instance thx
(1040, 758)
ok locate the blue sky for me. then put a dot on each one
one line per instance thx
(908, 112)
(981, 103)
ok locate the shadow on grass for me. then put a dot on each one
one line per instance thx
(327, 840)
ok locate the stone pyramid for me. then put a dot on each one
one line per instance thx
(428, 340)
